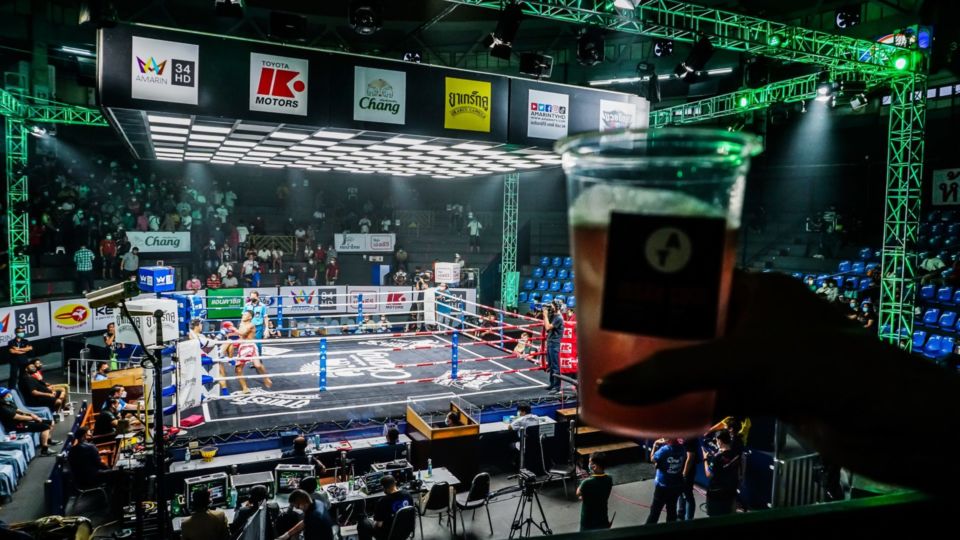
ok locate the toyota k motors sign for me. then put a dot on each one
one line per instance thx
(159, 242)
(278, 84)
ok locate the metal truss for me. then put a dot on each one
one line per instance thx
(509, 276)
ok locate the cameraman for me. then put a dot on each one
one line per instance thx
(553, 325)
(724, 470)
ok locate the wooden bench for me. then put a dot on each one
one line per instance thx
(584, 451)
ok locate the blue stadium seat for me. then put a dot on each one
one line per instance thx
(865, 253)
(572, 274)
(534, 297)
(568, 262)
(936, 229)
(945, 295)
(866, 284)
(821, 279)
(953, 229)
(561, 298)
(544, 261)
(797, 275)
(948, 216)
(951, 242)
(568, 287)
(948, 319)
(871, 266)
(956, 297)
(919, 338)
(843, 267)
(538, 273)
(858, 267)
(947, 343)
(563, 274)
(555, 286)
(547, 298)
(551, 273)
(543, 285)
(926, 292)
(932, 348)
(934, 242)
(522, 297)
(931, 316)
(528, 285)
(946, 273)
(933, 217)
(571, 301)
(851, 282)
(557, 261)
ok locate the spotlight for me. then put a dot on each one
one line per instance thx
(412, 56)
(365, 16)
(803, 106)
(699, 55)
(825, 91)
(649, 84)
(97, 13)
(901, 62)
(625, 4)
(743, 101)
(858, 102)
(228, 8)
(847, 17)
(500, 41)
(663, 47)
(536, 65)
(38, 131)
(590, 47)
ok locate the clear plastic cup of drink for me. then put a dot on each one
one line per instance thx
(654, 217)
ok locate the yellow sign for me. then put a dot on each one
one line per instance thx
(467, 105)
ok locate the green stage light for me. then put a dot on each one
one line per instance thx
(773, 41)
(744, 101)
(901, 63)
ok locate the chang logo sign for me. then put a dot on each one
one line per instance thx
(164, 70)
(379, 95)
(467, 105)
(278, 84)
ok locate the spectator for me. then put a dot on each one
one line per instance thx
(384, 325)
(276, 256)
(723, 473)
(86, 467)
(272, 331)
(456, 217)
(320, 254)
(313, 273)
(292, 277)
(474, 226)
(385, 225)
(83, 259)
(258, 494)
(669, 456)
(102, 369)
(400, 259)
(108, 257)
(108, 419)
(255, 278)
(595, 494)
(229, 197)
(687, 504)
(130, 263)
(19, 352)
(386, 509)
(829, 291)
(213, 281)
(193, 284)
(364, 224)
(223, 269)
(204, 523)
(333, 271)
(249, 266)
(211, 256)
(37, 393)
(13, 419)
(867, 316)
(230, 282)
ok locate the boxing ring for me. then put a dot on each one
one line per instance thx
(452, 348)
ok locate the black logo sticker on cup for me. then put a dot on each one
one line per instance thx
(663, 275)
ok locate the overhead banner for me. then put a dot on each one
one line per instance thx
(467, 104)
(548, 115)
(444, 272)
(164, 70)
(34, 318)
(364, 243)
(946, 187)
(278, 84)
(312, 300)
(159, 241)
(617, 115)
(379, 95)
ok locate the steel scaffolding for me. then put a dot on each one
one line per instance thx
(509, 276)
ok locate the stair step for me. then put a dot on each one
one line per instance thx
(609, 447)
(586, 430)
(566, 413)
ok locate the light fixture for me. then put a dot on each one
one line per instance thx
(625, 4)
(365, 16)
(858, 102)
(210, 129)
(500, 42)
(290, 136)
(803, 106)
(332, 135)
(663, 47)
(699, 55)
(590, 46)
(412, 56)
(228, 8)
(172, 138)
(161, 119)
(743, 101)
(165, 129)
(74, 50)
(825, 91)
(649, 85)
(847, 16)
(536, 65)
(901, 62)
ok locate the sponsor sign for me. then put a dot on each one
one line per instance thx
(164, 71)
(102, 316)
(34, 318)
(156, 279)
(148, 324)
(444, 272)
(278, 84)
(379, 95)
(568, 347)
(617, 115)
(548, 114)
(70, 317)
(268, 297)
(467, 104)
(311, 300)
(362, 243)
(370, 299)
(469, 298)
(159, 242)
(224, 303)
(190, 375)
(946, 187)
(395, 299)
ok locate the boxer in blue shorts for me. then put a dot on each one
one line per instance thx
(259, 311)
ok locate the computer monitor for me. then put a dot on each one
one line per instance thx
(287, 477)
(217, 484)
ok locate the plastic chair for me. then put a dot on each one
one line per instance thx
(543, 285)
(551, 273)
(927, 292)
(529, 284)
(948, 319)
(936, 229)
(797, 275)
(544, 261)
(557, 261)
(534, 298)
(933, 216)
(919, 338)
(547, 298)
(522, 297)
(43, 412)
(563, 274)
(956, 296)
(931, 316)
(945, 294)
(858, 267)
(568, 287)
(932, 348)
(953, 229)
(866, 284)
(568, 262)
(871, 266)
(947, 345)
(439, 502)
(555, 286)
(852, 282)
(538, 273)
(571, 301)
(23, 443)
(477, 497)
(843, 267)
(865, 253)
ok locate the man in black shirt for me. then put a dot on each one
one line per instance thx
(36, 393)
(723, 470)
(258, 494)
(107, 420)
(85, 464)
(298, 455)
(387, 507)
(14, 419)
(553, 324)
(19, 351)
(317, 523)
(686, 505)
(595, 494)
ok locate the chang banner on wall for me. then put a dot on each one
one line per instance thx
(34, 318)
(159, 242)
(379, 95)
(946, 187)
(363, 243)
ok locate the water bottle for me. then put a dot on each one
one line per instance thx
(175, 505)
(429, 468)
(232, 501)
(186, 456)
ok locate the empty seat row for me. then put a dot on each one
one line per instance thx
(559, 262)
(551, 273)
(552, 286)
(944, 295)
(858, 267)
(933, 347)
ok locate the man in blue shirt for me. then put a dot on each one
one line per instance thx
(669, 456)
(259, 320)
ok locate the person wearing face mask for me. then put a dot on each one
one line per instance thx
(19, 351)
(867, 316)
(13, 419)
(35, 393)
(103, 368)
(259, 318)
(108, 257)
(62, 390)
(595, 494)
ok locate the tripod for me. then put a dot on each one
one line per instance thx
(527, 499)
